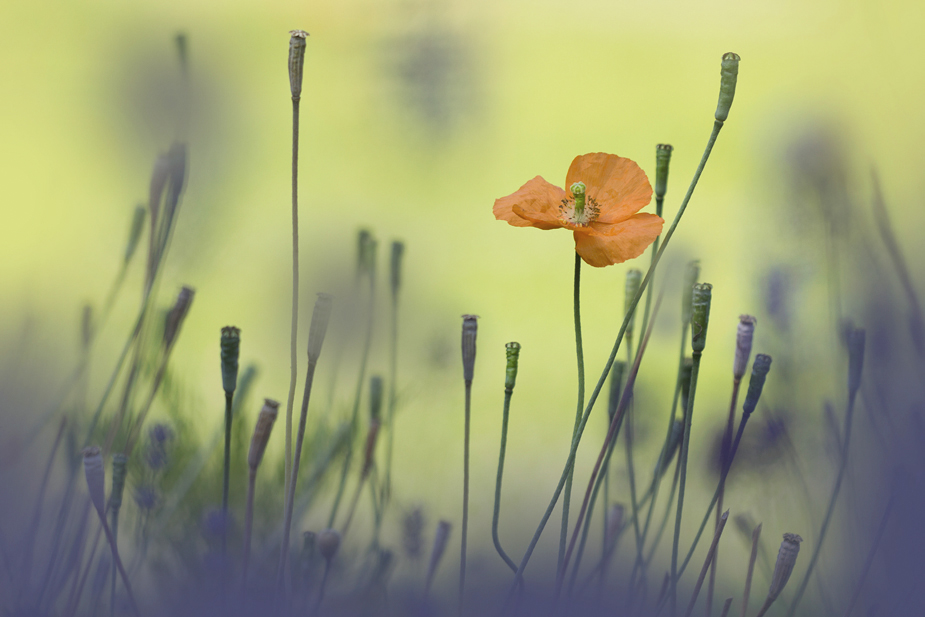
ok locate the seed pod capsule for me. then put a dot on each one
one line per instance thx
(662, 160)
(700, 315)
(729, 73)
(262, 430)
(512, 351)
(470, 329)
(744, 336)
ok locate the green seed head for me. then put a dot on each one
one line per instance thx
(321, 316)
(296, 61)
(700, 315)
(470, 329)
(662, 159)
(512, 350)
(727, 85)
(230, 345)
(786, 560)
(760, 368)
(119, 462)
(578, 192)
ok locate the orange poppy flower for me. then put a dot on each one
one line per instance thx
(601, 207)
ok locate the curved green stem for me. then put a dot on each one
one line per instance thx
(497, 510)
(294, 325)
(579, 353)
(717, 126)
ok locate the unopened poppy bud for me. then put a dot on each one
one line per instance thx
(691, 276)
(687, 367)
(633, 282)
(134, 232)
(616, 389)
(328, 542)
(375, 397)
(783, 568)
(296, 61)
(470, 329)
(744, 335)
(177, 314)
(760, 368)
(321, 316)
(96, 477)
(856, 341)
(578, 192)
(398, 251)
(119, 462)
(262, 429)
(512, 350)
(727, 85)
(230, 346)
(662, 160)
(700, 315)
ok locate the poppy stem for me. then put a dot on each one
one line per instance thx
(717, 126)
(513, 349)
(579, 352)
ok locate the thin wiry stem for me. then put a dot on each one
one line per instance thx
(611, 434)
(248, 527)
(711, 554)
(727, 444)
(290, 488)
(294, 328)
(393, 397)
(717, 126)
(843, 466)
(756, 536)
(868, 562)
(226, 477)
(685, 449)
(496, 515)
(465, 513)
(579, 353)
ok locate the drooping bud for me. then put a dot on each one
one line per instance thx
(176, 315)
(328, 542)
(262, 429)
(119, 462)
(96, 478)
(470, 329)
(729, 73)
(321, 317)
(296, 61)
(691, 275)
(760, 368)
(616, 389)
(134, 232)
(786, 559)
(856, 338)
(633, 281)
(700, 315)
(230, 345)
(512, 350)
(662, 161)
(398, 251)
(744, 335)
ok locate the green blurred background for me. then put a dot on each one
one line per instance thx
(415, 117)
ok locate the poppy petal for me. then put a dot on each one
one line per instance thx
(619, 185)
(604, 245)
(535, 204)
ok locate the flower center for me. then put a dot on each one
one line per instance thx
(580, 211)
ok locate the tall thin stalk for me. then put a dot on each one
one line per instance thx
(579, 353)
(513, 353)
(469, 333)
(296, 64)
